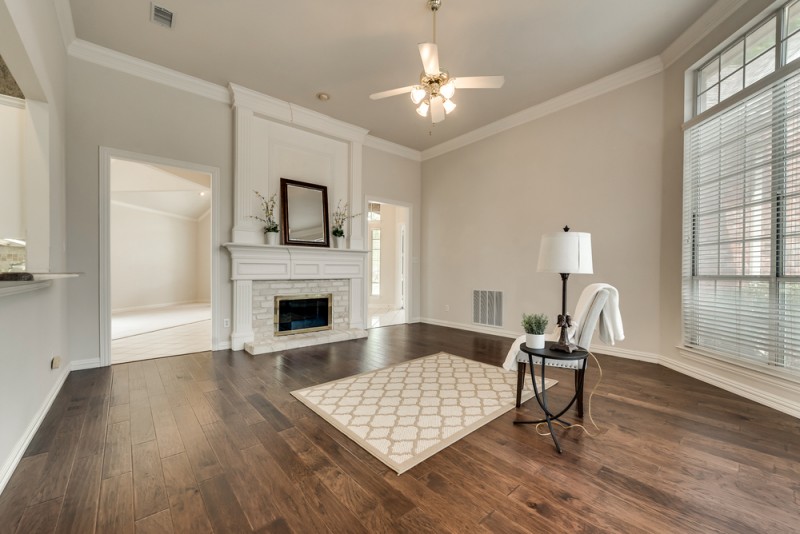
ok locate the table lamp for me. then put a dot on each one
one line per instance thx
(565, 253)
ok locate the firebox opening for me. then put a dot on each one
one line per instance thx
(297, 314)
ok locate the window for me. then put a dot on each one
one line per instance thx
(375, 238)
(374, 213)
(749, 58)
(741, 247)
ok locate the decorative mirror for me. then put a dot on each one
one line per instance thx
(304, 212)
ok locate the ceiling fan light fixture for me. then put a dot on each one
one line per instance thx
(418, 93)
(434, 92)
(448, 89)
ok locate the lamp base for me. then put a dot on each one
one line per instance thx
(563, 344)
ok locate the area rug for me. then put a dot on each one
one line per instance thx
(406, 413)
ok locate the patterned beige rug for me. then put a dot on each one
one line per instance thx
(406, 413)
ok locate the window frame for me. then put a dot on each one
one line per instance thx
(778, 203)
(779, 49)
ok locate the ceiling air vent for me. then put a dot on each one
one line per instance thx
(161, 15)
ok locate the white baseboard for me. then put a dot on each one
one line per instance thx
(222, 345)
(491, 330)
(747, 383)
(744, 382)
(638, 355)
(19, 449)
(158, 306)
(90, 363)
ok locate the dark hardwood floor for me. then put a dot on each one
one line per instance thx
(216, 443)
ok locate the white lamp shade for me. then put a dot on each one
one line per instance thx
(566, 252)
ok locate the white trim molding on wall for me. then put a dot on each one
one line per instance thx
(106, 154)
(19, 449)
(770, 389)
(392, 148)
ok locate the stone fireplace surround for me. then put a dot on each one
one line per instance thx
(259, 272)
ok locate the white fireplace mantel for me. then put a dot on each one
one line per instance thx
(251, 262)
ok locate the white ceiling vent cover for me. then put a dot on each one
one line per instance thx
(161, 15)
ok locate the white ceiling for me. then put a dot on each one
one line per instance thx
(160, 188)
(349, 49)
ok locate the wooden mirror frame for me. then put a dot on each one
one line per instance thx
(287, 240)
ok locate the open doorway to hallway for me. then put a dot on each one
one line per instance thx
(388, 243)
(160, 260)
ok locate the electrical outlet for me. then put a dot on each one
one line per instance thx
(55, 363)
(447, 307)
(226, 323)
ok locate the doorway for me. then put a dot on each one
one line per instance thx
(159, 289)
(387, 269)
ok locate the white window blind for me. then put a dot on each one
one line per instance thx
(741, 251)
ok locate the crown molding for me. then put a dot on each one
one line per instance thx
(392, 148)
(12, 102)
(163, 213)
(112, 59)
(632, 74)
(65, 22)
(703, 26)
(274, 108)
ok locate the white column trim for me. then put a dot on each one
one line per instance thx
(242, 314)
(358, 225)
(243, 184)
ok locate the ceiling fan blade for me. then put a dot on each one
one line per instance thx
(391, 92)
(429, 53)
(437, 110)
(480, 82)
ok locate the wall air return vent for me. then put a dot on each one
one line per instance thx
(487, 307)
(161, 15)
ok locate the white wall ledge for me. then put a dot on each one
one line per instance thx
(8, 288)
(40, 281)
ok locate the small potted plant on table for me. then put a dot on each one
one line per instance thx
(534, 326)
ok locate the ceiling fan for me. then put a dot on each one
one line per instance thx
(436, 87)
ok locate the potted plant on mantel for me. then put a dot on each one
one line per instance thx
(341, 216)
(271, 228)
(534, 326)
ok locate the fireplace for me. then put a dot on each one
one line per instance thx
(297, 314)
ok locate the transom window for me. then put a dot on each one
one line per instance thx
(771, 44)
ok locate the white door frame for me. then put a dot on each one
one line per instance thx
(409, 293)
(106, 155)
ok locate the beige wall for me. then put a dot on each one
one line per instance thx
(397, 180)
(153, 258)
(11, 180)
(33, 325)
(108, 108)
(595, 166)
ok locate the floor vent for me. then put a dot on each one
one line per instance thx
(487, 307)
(161, 15)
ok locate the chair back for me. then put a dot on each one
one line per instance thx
(588, 324)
